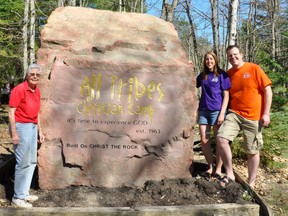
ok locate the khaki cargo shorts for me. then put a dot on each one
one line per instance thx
(252, 131)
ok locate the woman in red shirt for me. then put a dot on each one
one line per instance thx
(24, 106)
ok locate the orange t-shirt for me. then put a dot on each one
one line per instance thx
(246, 93)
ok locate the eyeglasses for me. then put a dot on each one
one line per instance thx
(34, 74)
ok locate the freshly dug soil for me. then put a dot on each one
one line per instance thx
(190, 191)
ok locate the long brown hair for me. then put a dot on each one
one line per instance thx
(216, 68)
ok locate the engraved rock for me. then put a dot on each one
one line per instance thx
(118, 100)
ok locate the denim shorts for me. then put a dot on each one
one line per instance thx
(208, 117)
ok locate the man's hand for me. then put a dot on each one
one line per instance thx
(265, 120)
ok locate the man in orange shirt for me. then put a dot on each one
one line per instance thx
(249, 111)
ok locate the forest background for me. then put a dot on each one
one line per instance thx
(259, 27)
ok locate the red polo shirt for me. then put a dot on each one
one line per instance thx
(26, 102)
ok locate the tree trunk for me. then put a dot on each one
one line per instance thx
(232, 22)
(141, 6)
(61, 3)
(32, 31)
(192, 38)
(215, 25)
(83, 3)
(124, 5)
(134, 4)
(167, 12)
(25, 38)
(274, 10)
(252, 54)
(71, 2)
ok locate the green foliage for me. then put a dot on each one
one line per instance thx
(237, 148)
(9, 7)
(274, 69)
(246, 196)
(11, 12)
(105, 5)
(280, 101)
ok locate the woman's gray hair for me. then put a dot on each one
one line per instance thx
(34, 66)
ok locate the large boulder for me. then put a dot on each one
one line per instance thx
(118, 100)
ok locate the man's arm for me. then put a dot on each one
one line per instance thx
(265, 119)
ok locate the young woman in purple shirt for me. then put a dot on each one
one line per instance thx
(215, 85)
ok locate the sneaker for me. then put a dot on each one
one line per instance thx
(31, 198)
(21, 203)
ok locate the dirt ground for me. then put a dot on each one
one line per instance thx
(191, 191)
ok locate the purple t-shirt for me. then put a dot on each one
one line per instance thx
(212, 90)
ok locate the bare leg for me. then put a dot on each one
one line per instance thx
(219, 161)
(226, 156)
(206, 145)
(253, 164)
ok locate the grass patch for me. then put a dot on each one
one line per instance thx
(275, 139)
(279, 199)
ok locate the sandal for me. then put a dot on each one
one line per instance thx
(226, 181)
(216, 176)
